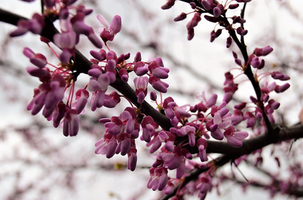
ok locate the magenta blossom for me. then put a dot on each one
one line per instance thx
(71, 123)
(34, 25)
(141, 88)
(108, 32)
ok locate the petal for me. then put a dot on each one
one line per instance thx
(102, 20)
(115, 25)
(234, 141)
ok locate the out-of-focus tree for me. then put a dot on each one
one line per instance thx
(164, 129)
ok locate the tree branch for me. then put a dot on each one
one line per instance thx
(82, 65)
(232, 153)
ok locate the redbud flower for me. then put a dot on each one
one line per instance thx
(108, 32)
(80, 27)
(71, 123)
(204, 186)
(123, 74)
(137, 57)
(48, 95)
(37, 59)
(34, 25)
(114, 127)
(251, 121)
(181, 17)
(202, 145)
(158, 84)
(233, 6)
(158, 178)
(206, 4)
(218, 125)
(153, 96)
(65, 40)
(263, 51)
(141, 88)
(168, 4)
(78, 24)
(228, 42)
(111, 100)
(99, 55)
(132, 159)
(241, 31)
(81, 97)
(215, 34)
(106, 146)
(190, 132)
(140, 68)
(59, 113)
(148, 128)
(233, 137)
(191, 24)
(217, 11)
(282, 88)
(279, 76)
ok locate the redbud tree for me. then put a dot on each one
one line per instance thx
(189, 143)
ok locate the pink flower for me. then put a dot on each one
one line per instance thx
(34, 25)
(140, 68)
(37, 59)
(108, 32)
(132, 159)
(98, 87)
(111, 100)
(71, 123)
(168, 4)
(66, 40)
(263, 51)
(59, 113)
(158, 178)
(48, 95)
(114, 127)
(204, 186)
(202, 145)
(141, 88)
(158, 85)
(219, 124)
(190, 132)
(106, 146)
(148, 128)
(81, 97)
(80, 27)
(234, 138)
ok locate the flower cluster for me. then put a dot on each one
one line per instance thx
(120, 135)
(189, 127)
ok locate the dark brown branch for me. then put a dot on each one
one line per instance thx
(247, 68)
(248, 147)
(82, 65)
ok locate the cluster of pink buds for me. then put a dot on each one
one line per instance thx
(120, 135)
(191, 126)
(35, 25)
(50, 94)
